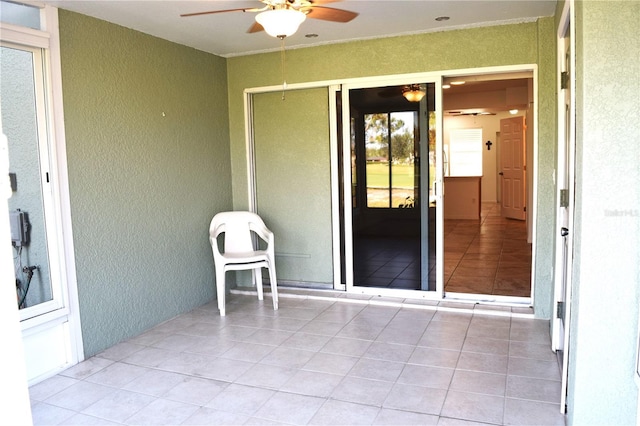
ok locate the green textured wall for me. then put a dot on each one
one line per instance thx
(529, 43)
(148, 151)
(547, 162)
(606, 277)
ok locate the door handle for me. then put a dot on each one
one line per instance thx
(501, 174)
(564, 231)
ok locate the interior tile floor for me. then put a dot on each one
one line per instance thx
(388, 262)
(487, 256)
(316, 361)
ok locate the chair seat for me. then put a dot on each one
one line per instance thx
(246, 257)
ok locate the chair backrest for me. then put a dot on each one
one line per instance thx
(236, 226)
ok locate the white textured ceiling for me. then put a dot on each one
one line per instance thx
(226, 34)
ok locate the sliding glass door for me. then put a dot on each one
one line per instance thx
(390, 181)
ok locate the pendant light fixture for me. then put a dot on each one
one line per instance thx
(281, 23)
(413, 93)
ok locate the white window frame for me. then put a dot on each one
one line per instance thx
(65, 306)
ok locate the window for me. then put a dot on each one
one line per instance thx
(20, 14)
(465, 152)
(390, 149)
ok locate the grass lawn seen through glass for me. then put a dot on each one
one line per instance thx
(402, 175)
(403, 181)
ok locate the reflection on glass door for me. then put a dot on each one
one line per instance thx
(23, 122)
(393, 208)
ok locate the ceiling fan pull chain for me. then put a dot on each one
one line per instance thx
(283, 66)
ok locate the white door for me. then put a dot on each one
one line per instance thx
(565, 201)
(41, 238)
(512, 167)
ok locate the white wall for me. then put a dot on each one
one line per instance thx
(490, 125)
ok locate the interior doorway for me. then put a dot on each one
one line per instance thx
(487, 253)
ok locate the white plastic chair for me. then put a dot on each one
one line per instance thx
(239, 252)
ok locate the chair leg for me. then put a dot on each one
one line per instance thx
(220, 288)
(274, 286)
(257, 281)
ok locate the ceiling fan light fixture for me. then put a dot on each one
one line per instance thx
(413, 93)
(281, 23)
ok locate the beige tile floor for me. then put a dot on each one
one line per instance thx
(490, 256)
(316, 362)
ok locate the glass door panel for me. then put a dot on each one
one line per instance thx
(292, 171)
(390, 153)
(393, 233)
(23, 123)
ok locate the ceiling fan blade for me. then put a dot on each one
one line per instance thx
(330, 14)
(255, 28)
(211, 12)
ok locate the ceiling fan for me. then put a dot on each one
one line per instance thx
(474, 112)
(281, 18)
